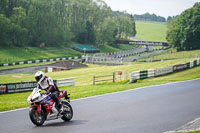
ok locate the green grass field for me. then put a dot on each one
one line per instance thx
(108, 48)
(151, 31)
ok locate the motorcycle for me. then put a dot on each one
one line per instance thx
(43, 107)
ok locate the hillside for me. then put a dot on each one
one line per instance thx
(17, 54)
(151, 31)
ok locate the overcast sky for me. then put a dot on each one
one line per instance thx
(163, 8)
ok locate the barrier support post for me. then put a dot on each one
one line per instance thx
(93, 80)
(113, 77)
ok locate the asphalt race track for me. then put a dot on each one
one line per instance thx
(133, 58)
(153, 109)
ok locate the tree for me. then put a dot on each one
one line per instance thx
(184, 31)
(107, 31)
(133, 26)
(126, 26)
(57, 22)
(11, 33)
(169, 18)
(5, 30)
(90, 34)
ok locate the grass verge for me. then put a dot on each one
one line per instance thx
(16, 54)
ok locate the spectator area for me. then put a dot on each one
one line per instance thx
(86, 49)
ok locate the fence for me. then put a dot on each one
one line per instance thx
(65, 82)
(121, 75)
(116, 76)
(104, 78)
(17, 87)
(29, 86)
(162, 71)
(142, 75)
(107, 63)
(142, 43)
(115, 57)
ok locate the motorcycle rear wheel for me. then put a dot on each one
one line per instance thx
(37, 119)
(67, 115)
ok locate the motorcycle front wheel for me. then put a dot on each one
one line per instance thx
(37, 119)
(68, 111)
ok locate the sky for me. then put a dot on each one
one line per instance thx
(163, 8)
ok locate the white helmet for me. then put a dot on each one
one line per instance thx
(39, 76)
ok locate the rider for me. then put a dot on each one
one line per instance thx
(46, 83)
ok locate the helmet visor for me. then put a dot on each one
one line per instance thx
(38, 78)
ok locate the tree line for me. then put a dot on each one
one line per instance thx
(58, 22)
(171, 17)
(149, 17)
(184, 30)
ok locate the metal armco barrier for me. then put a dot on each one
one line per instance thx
(65, 82)
(151, 73)
(187, 65)
(135, 76)
(142, 43)
(29, 86)
(162, 71)
(179, 67)
(191, 64)
(115, 57)
(41, 60)
(198, 62)
(142, 75)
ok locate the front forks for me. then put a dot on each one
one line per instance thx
(38, 108)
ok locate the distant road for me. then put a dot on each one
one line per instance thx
(137, 39)
(21, 70)
(153, 109)
(132, 58)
